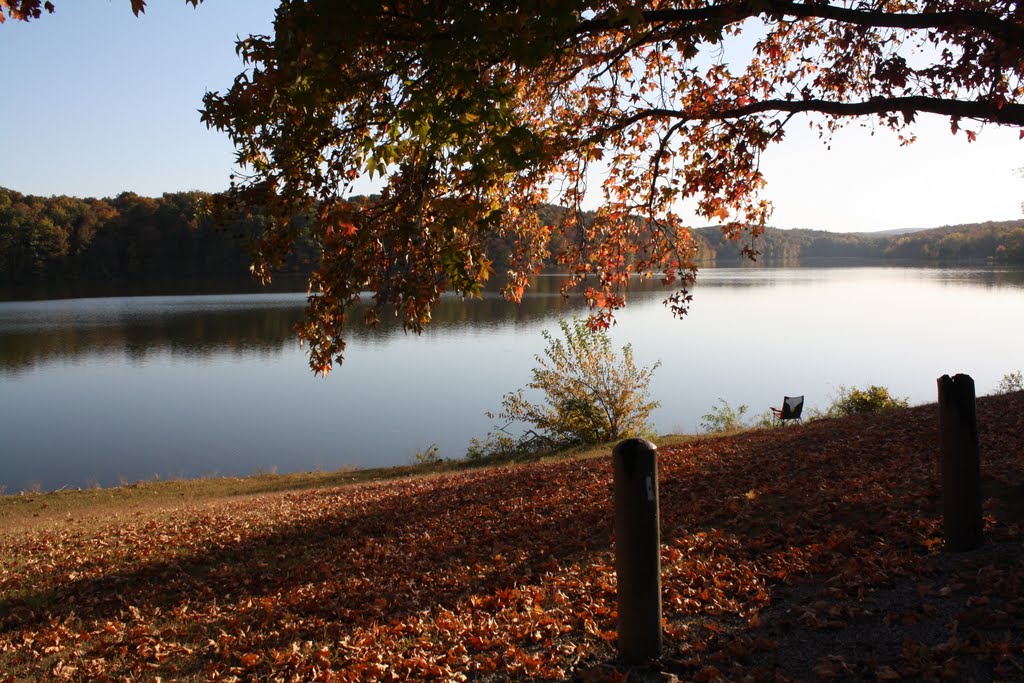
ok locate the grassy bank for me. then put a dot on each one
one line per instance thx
(807, 552)
(29, 510)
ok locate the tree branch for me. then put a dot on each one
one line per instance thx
(1006, 114)
(997, 27)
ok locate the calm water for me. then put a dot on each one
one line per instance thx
(99, 390)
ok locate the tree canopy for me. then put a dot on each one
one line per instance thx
(471, 114)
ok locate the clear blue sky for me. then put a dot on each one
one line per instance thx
(96, 102)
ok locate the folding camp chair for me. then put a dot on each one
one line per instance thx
(792, 407)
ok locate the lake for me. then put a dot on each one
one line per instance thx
(97, 391)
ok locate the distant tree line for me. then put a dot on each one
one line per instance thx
(975, 243)
(131, 237)
(126, 237)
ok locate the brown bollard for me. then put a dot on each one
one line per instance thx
(637, 550)
(961, 463)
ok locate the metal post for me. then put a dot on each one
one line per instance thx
(961, 463)
(637, 550)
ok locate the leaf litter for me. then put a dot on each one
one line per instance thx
(810, 552)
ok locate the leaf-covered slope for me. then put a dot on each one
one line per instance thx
(806, 552)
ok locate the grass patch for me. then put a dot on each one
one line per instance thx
(94, 505)
(29, 510)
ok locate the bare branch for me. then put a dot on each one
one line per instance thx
(956, 19)
(1005, 113)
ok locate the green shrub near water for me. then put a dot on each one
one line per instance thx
(723, 418)
(430, 456)
(1011, 382)
(854, 401)
(849, 401)
(591, 395)
(499, 444)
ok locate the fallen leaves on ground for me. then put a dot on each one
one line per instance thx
(805, 552)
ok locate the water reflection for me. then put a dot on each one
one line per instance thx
(75, 329)
(51, 291)
(261, 324)
(99, 388)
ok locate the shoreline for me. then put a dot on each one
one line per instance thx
(30, 509)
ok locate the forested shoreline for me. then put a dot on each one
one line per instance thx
(128, 237)
(1000, 242)
(132, 238)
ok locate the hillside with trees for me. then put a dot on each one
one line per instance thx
(131, 238)
(1002, 242)
(999, 242)
(127, 237)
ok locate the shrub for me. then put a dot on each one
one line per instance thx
(497, 444)
(591, 395)
(431, 456)
(854, 401)
(1011, 381)
(723, 418)
(765, 420)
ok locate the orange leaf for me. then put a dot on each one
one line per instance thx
(249, 659)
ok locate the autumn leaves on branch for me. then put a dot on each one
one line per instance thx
(26, 10)
(472, 115)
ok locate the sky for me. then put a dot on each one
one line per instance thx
(96, 102)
